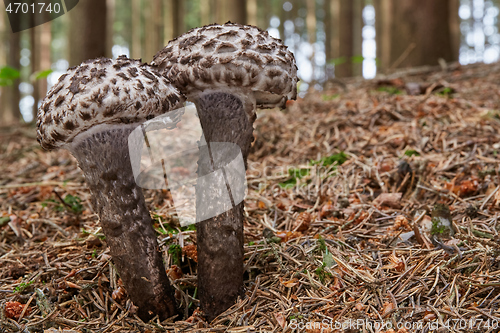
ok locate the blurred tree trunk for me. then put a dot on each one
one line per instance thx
(9, 110)
(110, 20)
(329, 9)
(3, 61)
(267, 10)
(153, 42)
(347, 39)
(136, 29)
(455, 28)
(231, 10)
(173, 18)
(40, 60)
(252, 12)
(87, 31)
(4, 36)
(283, 16)
(178, 12)
(413, 33)
(205, 15)
(311, 31)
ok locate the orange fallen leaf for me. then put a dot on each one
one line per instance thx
(326, 210)
(288, 235)
(290, 283)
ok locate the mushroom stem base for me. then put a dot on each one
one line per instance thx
(104, 158)
(220, 238)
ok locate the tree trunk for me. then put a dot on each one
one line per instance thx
(455, 28)
(136, 29)
(153, 42)
(40, 38)
(347, 37)
(205, 16)
(178, 19)
(10, 112)
(110, 20)
(329, 9)
(87, 31)
(252, 12)
(231, 10)
(311, 33)
(173, 17)
(413, 33)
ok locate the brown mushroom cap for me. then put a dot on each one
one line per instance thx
(103, 91)
(230, 56)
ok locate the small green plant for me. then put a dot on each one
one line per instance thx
(446, 92)
(338, 61)
(411, 152)
(338, 158)
(74, 203)
(175, 250)
(4, 220)
(441, 220)
(294, 174)
(22, 286)
(437, 227)
(322, 244)
(8, 75)
(390, 90)
(41, 74)
(357, 59)
(322, 273)
(327, 98)
(71, 203)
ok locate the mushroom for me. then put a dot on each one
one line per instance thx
(91, 111)
(227, 71)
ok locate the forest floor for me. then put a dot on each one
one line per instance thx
(372, 204)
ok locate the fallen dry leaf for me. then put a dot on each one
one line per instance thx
(290, 283)
(280, 319)
(391, 200)
(174, 272)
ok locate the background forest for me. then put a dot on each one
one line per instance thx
(330, 38)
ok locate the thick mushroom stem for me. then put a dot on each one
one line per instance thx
(220, 239)
(104, 158)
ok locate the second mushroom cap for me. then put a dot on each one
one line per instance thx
(231, 56)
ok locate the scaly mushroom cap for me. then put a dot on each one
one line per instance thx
(230, 55)
(103, 91)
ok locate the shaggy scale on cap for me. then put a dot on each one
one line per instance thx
(102, 91)
(231, 55)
